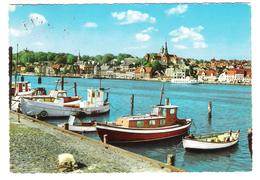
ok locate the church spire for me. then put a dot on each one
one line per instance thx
(78, 59)
(165, 48)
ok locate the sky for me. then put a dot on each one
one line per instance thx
(201, 31)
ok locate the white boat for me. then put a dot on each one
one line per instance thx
(186, 80)
(211, 141)
(46, 107)
(81, 127)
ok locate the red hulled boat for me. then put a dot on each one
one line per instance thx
(162, 123)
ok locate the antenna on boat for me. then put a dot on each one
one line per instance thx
(161, 95)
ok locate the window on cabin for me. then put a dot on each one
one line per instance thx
(139, 123)
(162, 122)
(172, 111)
(164, 112)
(151, 122)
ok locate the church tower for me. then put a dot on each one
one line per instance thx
(78, 59)
(165, 48)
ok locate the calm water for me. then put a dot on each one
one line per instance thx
(231, 110)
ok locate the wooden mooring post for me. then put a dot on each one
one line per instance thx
(249, 138)
(10, 75)
(105, 139)
(171, 159)
(209, 110)
(39, 80)
(132, 104)
(62, 83)
(75, 89)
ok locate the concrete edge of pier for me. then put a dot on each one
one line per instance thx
(108, 150)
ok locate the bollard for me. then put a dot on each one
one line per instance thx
(22, 78)
(66, 126)
(171, 159)
(249, 138)
(209, 110)
(39, 80)
(167, 101)
(18, 116)
(105, 139)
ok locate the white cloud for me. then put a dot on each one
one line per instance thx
(37, 19)
(142, 37)
(18, 33)
(130, 17)
(199, 44)
(179, 46)
(149, 29)
(191, 34)
(12, 8)
(90, 25)
(180, 9)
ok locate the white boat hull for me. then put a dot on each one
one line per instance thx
(50, 109)
(76, 128)
(194, 144)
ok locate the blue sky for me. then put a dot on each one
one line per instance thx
(201, 31)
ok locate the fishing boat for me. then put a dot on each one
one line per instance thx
(211, 141)
(63, 106)
(23, 89)
(72, 125)
(162, 123)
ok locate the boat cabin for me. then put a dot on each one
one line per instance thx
(95, 96)
(162, 115)
(20, 87)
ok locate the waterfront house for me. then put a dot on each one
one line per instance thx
(247, 76)
(235, 75)
(222, 77)
(207, 75)
(127, 63)
(143, 72)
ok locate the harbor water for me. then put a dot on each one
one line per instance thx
(232, 109)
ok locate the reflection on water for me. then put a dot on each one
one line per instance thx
(232, 109)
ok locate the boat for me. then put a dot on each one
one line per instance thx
(162, 123)
(78, 127)
(23, 89)
(186, 80)
(211, 141)
(63, 106)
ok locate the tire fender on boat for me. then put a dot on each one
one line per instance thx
(43, 114)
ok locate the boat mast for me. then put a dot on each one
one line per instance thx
(161, 95)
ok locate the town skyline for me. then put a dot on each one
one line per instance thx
(199, 31)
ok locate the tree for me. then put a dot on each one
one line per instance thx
(107, 58)
(122, 56)
(71, 59)
(98, 58)
(60, 59)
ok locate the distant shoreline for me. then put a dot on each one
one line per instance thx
(152, 79)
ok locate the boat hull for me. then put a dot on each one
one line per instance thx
(198, 145)
(76, 128)
(49, 109)
(125, 135)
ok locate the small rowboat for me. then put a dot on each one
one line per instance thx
(211, 141)
(78, 127)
